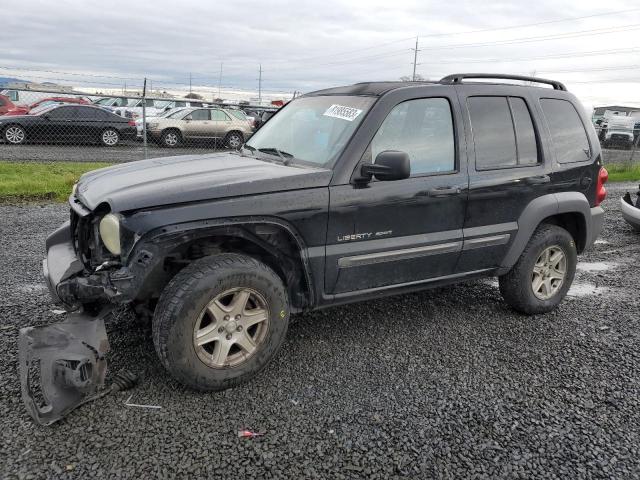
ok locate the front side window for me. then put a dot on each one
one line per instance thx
(64, 112)
(313, 129)
(199, 115)
(569, 137)
(424, 130)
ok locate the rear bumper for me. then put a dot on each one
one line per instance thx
(597, 219)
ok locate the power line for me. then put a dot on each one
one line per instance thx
(525, 25)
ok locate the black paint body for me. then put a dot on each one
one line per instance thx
(352, 241)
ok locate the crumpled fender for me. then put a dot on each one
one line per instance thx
(62, 365)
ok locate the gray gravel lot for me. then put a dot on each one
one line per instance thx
(449, 383)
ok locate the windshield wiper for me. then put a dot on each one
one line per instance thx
(285, 156)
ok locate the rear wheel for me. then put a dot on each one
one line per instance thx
(543, 274)
(110, 137)
(15, 134)
(170, 139)
(220, 321)
(233, 140)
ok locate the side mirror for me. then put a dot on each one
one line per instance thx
(389, 165)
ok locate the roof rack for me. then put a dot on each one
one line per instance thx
(458, 77)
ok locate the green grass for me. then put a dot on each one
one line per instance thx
(31, 181)
(623, 172)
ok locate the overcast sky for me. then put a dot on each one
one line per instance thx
(313, 44)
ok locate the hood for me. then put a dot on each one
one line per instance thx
(190, 178)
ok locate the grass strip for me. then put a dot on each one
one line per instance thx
(35, 181)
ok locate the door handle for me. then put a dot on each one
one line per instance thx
(443, 191)
(538, 180)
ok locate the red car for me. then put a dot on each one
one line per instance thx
(6, 104)
(24, 109)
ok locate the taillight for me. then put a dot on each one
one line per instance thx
(601, 192)
(132, 123)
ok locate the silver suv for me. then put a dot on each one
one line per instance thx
(199, 124)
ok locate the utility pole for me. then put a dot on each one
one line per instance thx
(415, 60)
(260, 85)
(219, 79)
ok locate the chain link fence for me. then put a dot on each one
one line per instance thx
(64, 125)
(53, 125)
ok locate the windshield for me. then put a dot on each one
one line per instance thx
(313, 129)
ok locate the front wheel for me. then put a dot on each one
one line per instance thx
(110, 137)
(15, 135)
(543, 274)
(220, 321)
(170, 139)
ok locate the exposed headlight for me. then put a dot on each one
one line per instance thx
(110, 232)
(152, 125)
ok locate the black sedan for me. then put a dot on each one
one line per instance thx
(65, 123)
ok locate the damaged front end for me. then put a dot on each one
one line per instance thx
(62, 365)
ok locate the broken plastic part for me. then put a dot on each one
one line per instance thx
(62, 365)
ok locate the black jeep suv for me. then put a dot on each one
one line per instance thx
(345, 194)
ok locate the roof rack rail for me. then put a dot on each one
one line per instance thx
(458, 77)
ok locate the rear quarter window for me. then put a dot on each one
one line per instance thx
(570, 141)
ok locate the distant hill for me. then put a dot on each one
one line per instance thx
(6, 80)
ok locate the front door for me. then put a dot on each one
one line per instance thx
(198, 124)
(404, 231)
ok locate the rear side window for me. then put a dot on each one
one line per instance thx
(493, 135)
(200, 115)
(219, 115)
(422, 128)
(503, 132)
(569, 137)
(525, 134)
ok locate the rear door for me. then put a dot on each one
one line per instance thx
(221, 123)
(506, 170)
(405, 231)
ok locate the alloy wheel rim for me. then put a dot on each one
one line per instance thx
(171, 139)
(231, 328)
(14, 135)
(549, 273)
(234, 141)
(110, 137)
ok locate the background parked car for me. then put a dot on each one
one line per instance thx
(111, 102)
(6, 104)
(154, 107)
(67, 124)
(166, 114)
(25, 109)
(199, 124)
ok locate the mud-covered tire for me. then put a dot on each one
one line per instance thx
(179, 312)
(517, 286)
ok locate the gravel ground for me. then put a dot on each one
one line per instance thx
(125, 152)
(415, 386)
